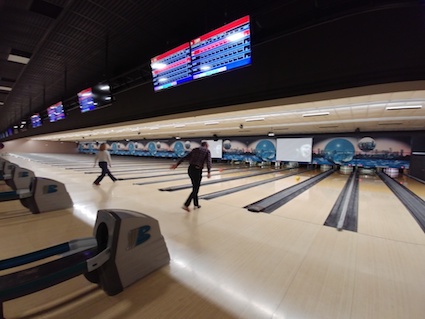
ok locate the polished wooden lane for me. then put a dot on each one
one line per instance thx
(315, 204)
(229, 263)
(241, 199)
(382, 214)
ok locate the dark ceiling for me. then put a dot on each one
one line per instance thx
(73, 44)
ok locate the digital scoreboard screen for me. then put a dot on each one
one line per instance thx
(221, 50)
(95, 97)
(55, 112)
(171, 68)
(85, 98)
(36, 120)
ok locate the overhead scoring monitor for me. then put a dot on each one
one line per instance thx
(95, 97)
(171, 68)
(36, 120)
(221, 50)
(55, 112)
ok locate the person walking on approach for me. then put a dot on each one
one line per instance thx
(104, 159)
(197, 158)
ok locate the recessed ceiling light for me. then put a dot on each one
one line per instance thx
(270, 134)
(211, 123)
(403, 107)
(316, 114)
(17, 59)
(253, 119)
(5, 88)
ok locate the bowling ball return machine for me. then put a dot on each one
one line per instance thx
(126, 247)
(19, 180)
(6, 170)
(35, 193)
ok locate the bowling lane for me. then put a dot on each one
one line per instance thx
(383, 215)
(4, 187)
(315, 204)
(8, 209)
(248, 196)
(415, 186)
(207, 189)
(185, 180)
(147, 174)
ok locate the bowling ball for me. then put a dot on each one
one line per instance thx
(187, 145)
(297, 178)
(220, 169)
(265, 150)
(339, 151)
(1, 146)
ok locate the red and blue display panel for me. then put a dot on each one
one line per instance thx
(221, 50)
(85, 98)
(171, 68)
(35, 120)
(55, 112)
(96, 97)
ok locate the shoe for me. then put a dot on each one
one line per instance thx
(97, 184)
(186, 208)
(197, 206)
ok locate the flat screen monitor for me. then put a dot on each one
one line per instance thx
(294, 149)
(55, 112)
(216, 148)
(171, 68)
(221, 50)
(96, 97)
(36, 120)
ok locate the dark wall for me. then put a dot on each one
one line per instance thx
(417, 162)
(373, 47)
(417, 166)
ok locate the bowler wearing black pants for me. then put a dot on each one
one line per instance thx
(197, 158)
(104, 159)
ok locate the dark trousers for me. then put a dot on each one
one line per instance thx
(195, 175)
(105, 171)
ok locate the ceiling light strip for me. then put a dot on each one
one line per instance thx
(254, 119)
(5, 88)
(403, 107)
(316, 114)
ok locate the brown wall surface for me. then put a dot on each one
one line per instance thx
(24, 145)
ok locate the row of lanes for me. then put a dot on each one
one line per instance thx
(381, 214)
(231, 262)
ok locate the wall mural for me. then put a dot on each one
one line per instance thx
(367, 151)
(243, 149)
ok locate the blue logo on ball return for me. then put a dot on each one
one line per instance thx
(49, 189)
